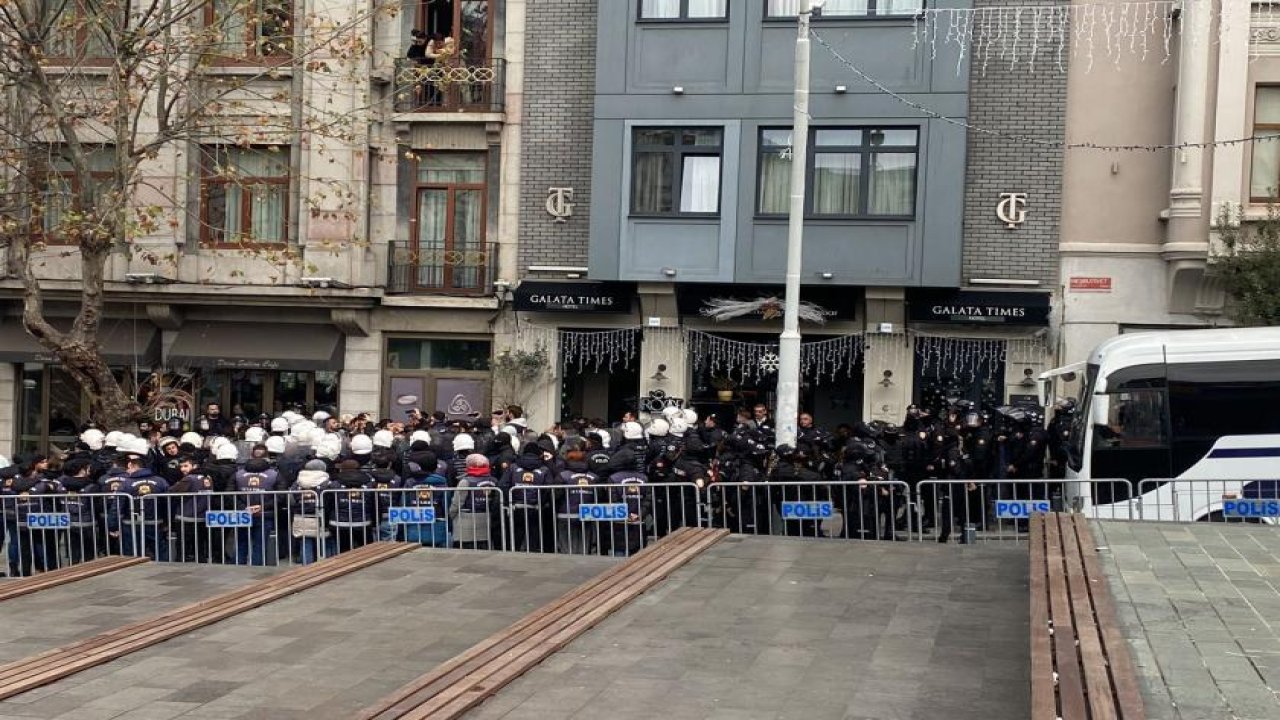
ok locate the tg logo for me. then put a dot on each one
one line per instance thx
(560, 203)
(1012, 209)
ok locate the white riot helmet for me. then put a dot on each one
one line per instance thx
(420, 435)
(192, 439)
(657, 428)
(134, 446)
(93, 438)
(671, 411)
(384, 439)
(605, 438)
(220, 442)
(255, 435)
(280, 425)
(679, 426)
(314, 437)
(302, 430)
(361, 445)
(226, 451)
(632, 431)
(690, 417)
(112, 439)
(320, 417)
(275, 444)
(329, 449)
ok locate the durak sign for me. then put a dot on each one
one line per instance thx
(601, 297)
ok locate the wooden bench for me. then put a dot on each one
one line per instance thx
(1080, 663)
(10, 589)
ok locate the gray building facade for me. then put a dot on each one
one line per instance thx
(690, 159)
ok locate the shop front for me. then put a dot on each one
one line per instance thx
(51, 409)
(449, 374)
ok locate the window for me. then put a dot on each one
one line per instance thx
(448, 244)
(853, 172)
(1265, 177)
(676, 171)
(78, 29)
(437, 354)
(244, 195)
(62, 184)
(684, 9)
(250, 29)
(845, 8)
(1135, 419)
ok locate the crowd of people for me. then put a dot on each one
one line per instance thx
(470, 478)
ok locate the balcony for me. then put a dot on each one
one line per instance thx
(434, 270)
(455, 86)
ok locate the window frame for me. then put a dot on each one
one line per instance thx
(447, 283)
(81, 41)
(866, 153)
(246, 201)
(684, 14)
(253, 42)
(1255, 128)
(74, 184)
(678, 152)
(823, 16)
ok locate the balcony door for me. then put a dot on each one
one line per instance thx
(448, 250)
(468, 22)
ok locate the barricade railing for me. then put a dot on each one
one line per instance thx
(965, 511)
(50, 531)
(251, 527)
(849, 509)
(618, 519)
(1209, 500)
(430, 515)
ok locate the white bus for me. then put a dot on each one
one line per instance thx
(1200, 406)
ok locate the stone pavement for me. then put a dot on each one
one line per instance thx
(41, 621)
(808, 629)
(324, 653)
(1200, 606)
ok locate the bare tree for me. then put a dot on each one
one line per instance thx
(98, 92)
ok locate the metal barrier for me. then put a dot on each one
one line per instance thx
(605, 518)
(46, 532)
(253, 527)
(431, 515)
(871, 510)
(967, 511)
(1208, 500)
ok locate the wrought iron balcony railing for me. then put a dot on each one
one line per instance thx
(441, 270)
(449, 86)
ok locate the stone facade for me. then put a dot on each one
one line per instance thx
(559, 94)
(1012, 99)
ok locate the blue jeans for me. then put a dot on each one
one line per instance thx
(252, 542)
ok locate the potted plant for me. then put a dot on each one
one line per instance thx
(724, 386)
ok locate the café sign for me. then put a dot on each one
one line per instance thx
(595, 297)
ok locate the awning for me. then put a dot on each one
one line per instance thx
(258, 346)
(124, 343)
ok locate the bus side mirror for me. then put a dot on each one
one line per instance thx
(1100, 414)
(1044, 391)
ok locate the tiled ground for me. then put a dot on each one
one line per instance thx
(49, 618)
(324, 653)
(1200, 606)
(781, 628)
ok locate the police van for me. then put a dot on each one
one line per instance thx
(1198, 406)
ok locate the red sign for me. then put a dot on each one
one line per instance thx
(1091, 284)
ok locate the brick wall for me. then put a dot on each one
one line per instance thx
(559, 99)
(1020, 101)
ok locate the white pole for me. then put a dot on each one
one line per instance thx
(789, 341)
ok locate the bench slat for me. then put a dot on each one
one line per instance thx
(1097, 680)
(1067, 659)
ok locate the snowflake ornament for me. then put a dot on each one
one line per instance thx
(769, 362)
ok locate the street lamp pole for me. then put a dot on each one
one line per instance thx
(789, 341)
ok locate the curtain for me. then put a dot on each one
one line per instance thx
(445, 168)
(660, 9)
(845, 7)
(836, 178)
(433, 215)
(230, 27)
(775, 182)
(898, 7)
(708, 8)
(1266, 166)
(700, 184)
(651, 183)
(57, 198)
(267, 212)
(784, 8)
(468, 240)
(893, 180)
(224, 212)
